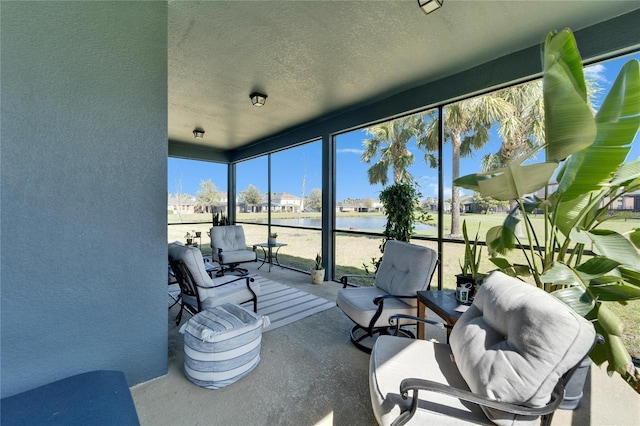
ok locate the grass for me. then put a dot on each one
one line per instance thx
(352, 251)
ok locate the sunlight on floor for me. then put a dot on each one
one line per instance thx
(326, 420)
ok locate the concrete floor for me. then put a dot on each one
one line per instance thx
(311, 374)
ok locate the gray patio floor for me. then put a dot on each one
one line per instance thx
(311, 374)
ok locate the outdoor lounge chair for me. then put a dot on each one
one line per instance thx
(198, 291)
(405, 269)
(510, 355)
(229, 248)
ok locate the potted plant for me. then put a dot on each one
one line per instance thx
(469, 270)
(272, 238)
(317, 273)
(189, 238)
(401, 203)
(586, 154)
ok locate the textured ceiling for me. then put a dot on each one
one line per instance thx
(315, 58)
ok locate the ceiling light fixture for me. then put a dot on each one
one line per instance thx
(198, 133)
(429, 6)
(258, 99)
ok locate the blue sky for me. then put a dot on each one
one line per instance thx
(299, 169)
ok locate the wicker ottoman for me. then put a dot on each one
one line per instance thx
(221, 345)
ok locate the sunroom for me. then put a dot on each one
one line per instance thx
(97, 97)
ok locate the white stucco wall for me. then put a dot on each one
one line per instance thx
(83, 190)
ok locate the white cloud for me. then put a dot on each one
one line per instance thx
(350, 151)
(597, 73)
(431, 190)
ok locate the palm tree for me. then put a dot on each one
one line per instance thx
(521, 131)
(389, 141)
(467, 125)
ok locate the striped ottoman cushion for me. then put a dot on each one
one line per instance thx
(221, 345)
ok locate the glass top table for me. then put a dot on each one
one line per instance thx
(443, 303)
(268, 254)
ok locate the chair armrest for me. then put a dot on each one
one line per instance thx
(379, 301)
(249, 279)
(414, 318)
(345, 278)
(416, 385)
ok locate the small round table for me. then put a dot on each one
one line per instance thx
(268, 254)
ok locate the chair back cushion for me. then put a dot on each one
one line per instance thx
(192, 258)
(405, 268)
(515, 342)
(227, 238)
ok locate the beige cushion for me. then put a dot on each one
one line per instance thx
(516, 341)
(405, 268)
(396, 358)
(209, 295)
(192, 258)
(357, 304)
(233, 244)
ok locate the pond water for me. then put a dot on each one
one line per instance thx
(374, 223)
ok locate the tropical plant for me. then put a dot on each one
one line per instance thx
(389, 141)
(318, 262)
(472, 254)
(219, 219)
(401, 203)
(587, 155)
(467, 125)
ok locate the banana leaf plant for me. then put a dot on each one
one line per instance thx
(587, 155)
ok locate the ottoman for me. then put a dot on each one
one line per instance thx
(221, 345)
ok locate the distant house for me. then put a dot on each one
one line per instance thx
(281, 202)
(629, 203)
(365, 205)
(184, 203)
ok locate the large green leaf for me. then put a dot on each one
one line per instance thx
(569, 123)
(635, 237)
(627, 172)
(569, 214)
(500, 239)
(630, 275)
(576, 298)
(617, 122)
(624, 96)
(515, 180)
(614, 246)
(597, 266)
(615, 292)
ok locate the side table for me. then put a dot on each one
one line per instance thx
(443, 303)
(268, 253)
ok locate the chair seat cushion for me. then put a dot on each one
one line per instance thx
(396, 358)
(237, 256)
(221, 345)
(357, 304)
(235, 292)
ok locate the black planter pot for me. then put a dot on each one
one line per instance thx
(475, 282)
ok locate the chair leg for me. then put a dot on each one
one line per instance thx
(179, 317)
(174, 303)
(358, 334)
